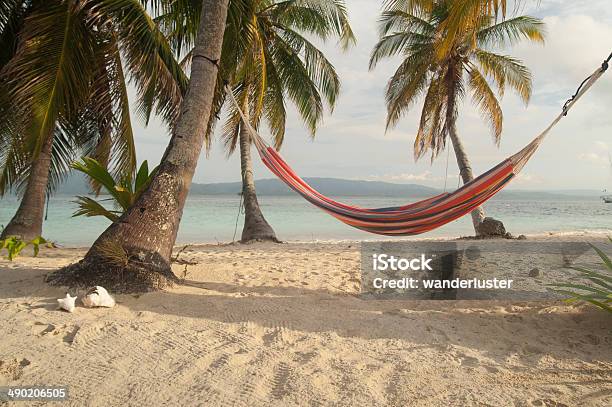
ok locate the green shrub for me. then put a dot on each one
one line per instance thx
(123, 191)
(14, 245)
(599, 289)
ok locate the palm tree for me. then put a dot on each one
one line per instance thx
(273, 61)
(265, 58)
(443, 82)
(64, 92)
(134, 252)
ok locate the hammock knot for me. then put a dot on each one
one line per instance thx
(604, 65)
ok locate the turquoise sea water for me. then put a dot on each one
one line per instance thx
(212, 218)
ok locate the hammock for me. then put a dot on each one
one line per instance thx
(425, 215)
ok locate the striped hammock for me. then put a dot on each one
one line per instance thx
(422, 216)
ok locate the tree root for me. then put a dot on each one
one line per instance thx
(133, 277)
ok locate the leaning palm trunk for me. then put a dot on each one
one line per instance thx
(28, 220)
(465, 171)
(134, 253)
(255, 225)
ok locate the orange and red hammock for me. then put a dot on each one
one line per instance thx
(422, 216)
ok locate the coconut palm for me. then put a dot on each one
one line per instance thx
(462, 15)
(273, 62)
(134, 252)
(266, 59)
(467, 67)
(64, 68)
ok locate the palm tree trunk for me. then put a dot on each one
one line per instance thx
(255, 225)
(28, 220)
(134, 253)
(465, 171)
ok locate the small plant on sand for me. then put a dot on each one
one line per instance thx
(14, 245)
(123, 192)
(599, 291)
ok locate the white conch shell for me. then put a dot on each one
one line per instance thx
(67, 303)
(98, 297)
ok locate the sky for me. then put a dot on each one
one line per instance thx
(352, 143)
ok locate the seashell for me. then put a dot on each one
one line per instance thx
(67, 303)
(98, 297)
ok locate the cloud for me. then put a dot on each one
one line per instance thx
(595, 158)
(602, 145)
(525, 179)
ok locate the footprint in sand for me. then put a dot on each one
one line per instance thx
(548, 403)
(68, 332)
(13, 369)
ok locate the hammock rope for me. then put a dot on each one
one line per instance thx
(421, 216)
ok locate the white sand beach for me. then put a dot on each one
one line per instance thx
(282, 325)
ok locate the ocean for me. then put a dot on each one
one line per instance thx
(209, 219)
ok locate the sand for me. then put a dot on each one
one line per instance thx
(282, 325)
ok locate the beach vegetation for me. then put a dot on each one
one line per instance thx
(598, 288)
(122, 191)
(14, 245)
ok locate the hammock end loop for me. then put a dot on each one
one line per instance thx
(605, 64)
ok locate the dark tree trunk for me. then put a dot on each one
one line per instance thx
(465, 171)
(28, 220)
(134, 253)
(255, 225)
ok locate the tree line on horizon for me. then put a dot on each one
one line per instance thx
(65, 65)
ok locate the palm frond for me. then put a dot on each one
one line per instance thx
(336, 20)
(298, 85)
(157, 75)
(403, 43)
(484, 98)
(46, 78)
(506, 71)
(406, 85)
(90, 207)
(511, 31)
(230, 132)
(274, 104)
(12, 15)
(401, 21)
(320, 71)
(96, 171)
(430, 135)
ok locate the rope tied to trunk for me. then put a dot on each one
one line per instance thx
(604, 68)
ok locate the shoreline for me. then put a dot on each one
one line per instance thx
(596, 234)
